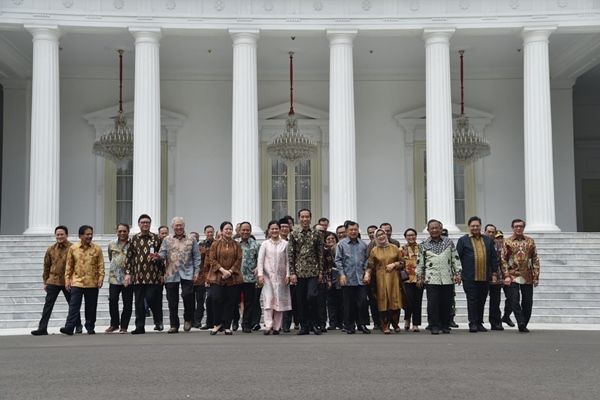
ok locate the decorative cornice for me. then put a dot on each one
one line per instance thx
(355, 14)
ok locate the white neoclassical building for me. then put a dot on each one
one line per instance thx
(376, 86)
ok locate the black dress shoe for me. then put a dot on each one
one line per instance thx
(364, 329)
(481, 328)
(473, 328)
(159, 328)
(66, 332)
(376, 327)
(286, 330)
(497, 328)
(256, 327)
(266, 333)
(452, 323)
(445, 330)
(317, 330)
(197, 326)
(350, 331)
(79, 329)
(331, 327)
(435, 331)
(138, 331)
(235, 325)
(247, 330)
(39, 332)
(91, 332)
(303, 332)
(508, 321)
(275, 332)
(205, 327)
(523, 328)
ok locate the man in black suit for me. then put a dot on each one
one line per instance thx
(478, 258)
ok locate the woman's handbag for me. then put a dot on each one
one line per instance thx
(404, 275)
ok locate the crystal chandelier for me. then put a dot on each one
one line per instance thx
(116, 144)
(291, 146)
(467, 144)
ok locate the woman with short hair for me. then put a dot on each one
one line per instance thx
(225, 278)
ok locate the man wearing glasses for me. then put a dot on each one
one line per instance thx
(146, 274)
(521, 270)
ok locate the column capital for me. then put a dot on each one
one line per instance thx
(146, 35)
(435, 36)
(44, 32)
(341, 36)
(244, 36)
(537, 34)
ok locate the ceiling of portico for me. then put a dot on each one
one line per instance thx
(202, 56)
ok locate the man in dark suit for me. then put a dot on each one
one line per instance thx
(478, 258)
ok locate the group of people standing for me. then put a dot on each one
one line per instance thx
(302, 276)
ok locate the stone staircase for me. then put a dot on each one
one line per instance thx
(569, 290)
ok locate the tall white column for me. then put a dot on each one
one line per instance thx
(440, 159)
(146, 147)
(342, 143)
(245, 172)
(44, 179)
(539, 175)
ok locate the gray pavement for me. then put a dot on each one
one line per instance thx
(544, 364)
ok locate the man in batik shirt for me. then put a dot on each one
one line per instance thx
(305, 253)
(54, 278)
(521, 269)
(84, 275)
(117, 254)
(250, 248)
(204, 246)
(182, 256)
(145, 274)
(438, 268)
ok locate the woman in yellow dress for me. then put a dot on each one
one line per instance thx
(385, 261)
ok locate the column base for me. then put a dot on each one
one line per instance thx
(39, 230)
(541, 228)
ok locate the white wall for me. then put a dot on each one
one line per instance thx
(203, 163)
(15, 161)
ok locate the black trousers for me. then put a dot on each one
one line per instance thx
(152, 294)
(507, 302)
(439, 305)
(200, 295)
(209, 308)
(415, 303)
(187, 295)
(225, 300)
(52, 292)
(522, 302)
(372, 304)
(252, 311)
(355, 303)
(322, 305)
(291, 315)
(335, 309)
(91, 305)
(307, 292)
(113, 304)
(476, 292)
(495, 300)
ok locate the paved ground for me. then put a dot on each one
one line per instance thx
(544, 364)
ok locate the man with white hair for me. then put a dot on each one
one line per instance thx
(182, 256)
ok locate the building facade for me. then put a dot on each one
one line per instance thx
(376, 86)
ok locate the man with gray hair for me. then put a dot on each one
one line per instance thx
(182, 256)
